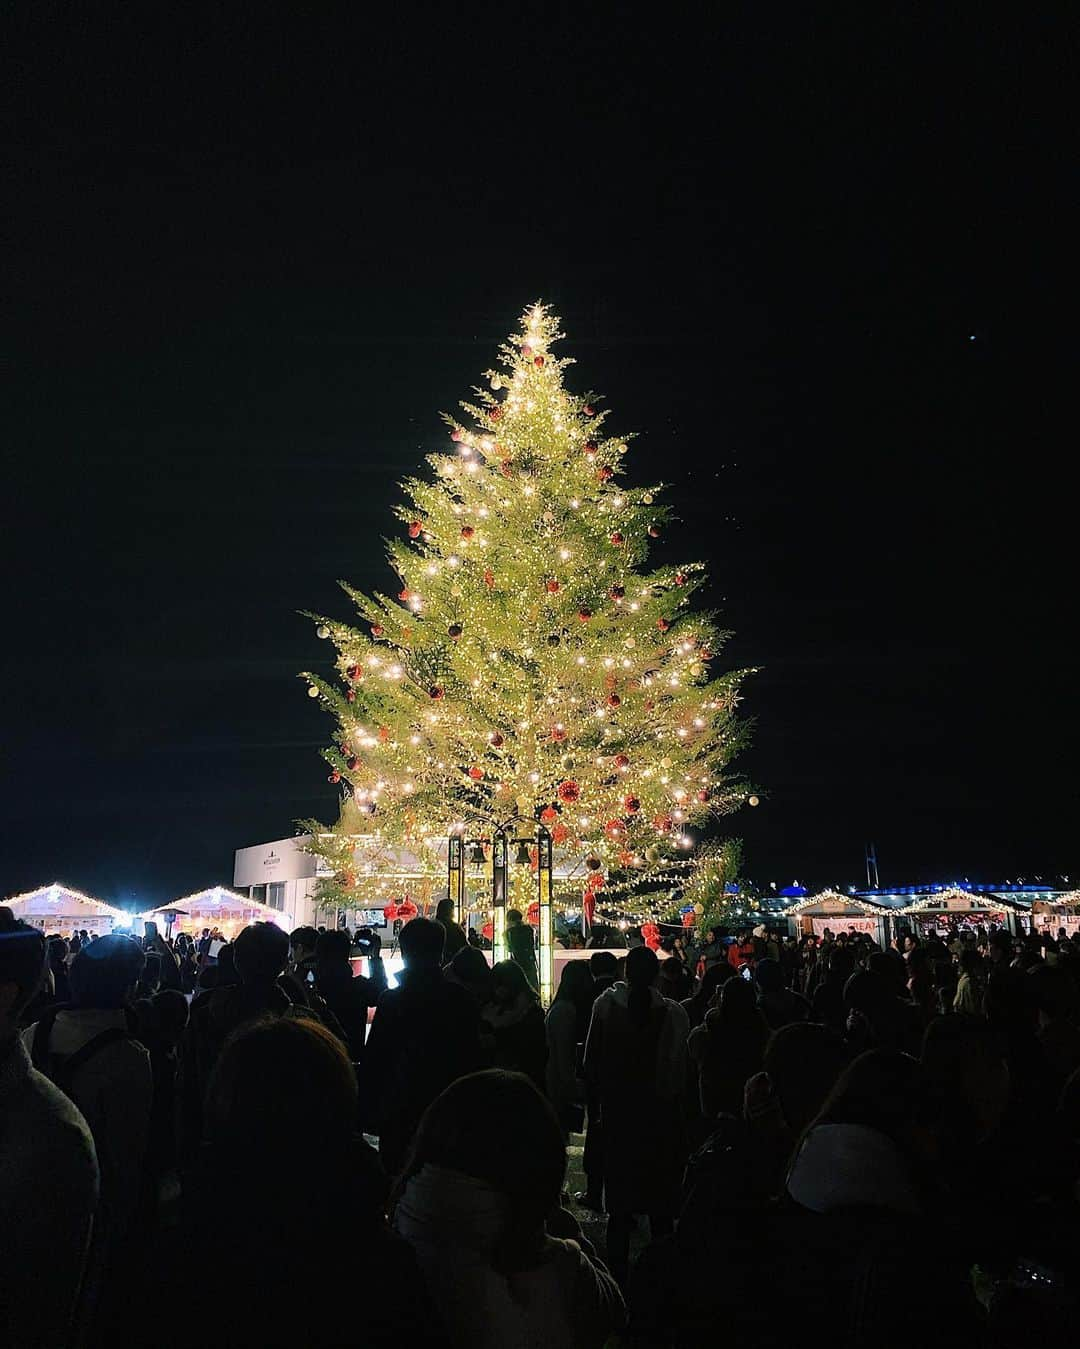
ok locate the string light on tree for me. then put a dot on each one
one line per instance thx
(500, 681)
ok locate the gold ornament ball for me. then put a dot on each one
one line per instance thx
(630, 643)
(697, 669)
(699, 908)
(665, 762)
(652, 853)
(322, 631)
(647, 498)
(456, 590)
(312, 692)
(753, 800)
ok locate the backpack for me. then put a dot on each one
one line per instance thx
(62, 1068)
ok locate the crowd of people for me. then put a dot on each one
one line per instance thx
(867, 1144)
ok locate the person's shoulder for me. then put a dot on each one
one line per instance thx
(128, 1053)
(58, 1124)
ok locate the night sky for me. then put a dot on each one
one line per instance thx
(822, 269)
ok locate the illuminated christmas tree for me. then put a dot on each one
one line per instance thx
(528, 668)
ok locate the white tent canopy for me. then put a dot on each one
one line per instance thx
(60, 908)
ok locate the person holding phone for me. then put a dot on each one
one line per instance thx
(168, 967)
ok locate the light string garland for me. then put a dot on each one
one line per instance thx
(527, 665)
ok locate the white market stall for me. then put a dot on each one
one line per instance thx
(217, 907)
(59, 908)
(950, 909)
(833, 912)
(1053, 915)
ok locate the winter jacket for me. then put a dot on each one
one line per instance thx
(48, 1194)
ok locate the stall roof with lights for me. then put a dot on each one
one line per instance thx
(960, 901)
(219, 902)
(63, 906)
(832, 902)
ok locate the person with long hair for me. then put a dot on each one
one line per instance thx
(700, 1002)
(566, 1026)
(728, 1048)
(476, 1202)
(635, 1057)
(515, 1021)
(455, 933)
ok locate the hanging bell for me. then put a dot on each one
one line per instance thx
(522, 859)
(476, 854)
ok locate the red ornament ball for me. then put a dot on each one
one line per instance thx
(552, 586)
(680, 578)
(631, 805)
(454, 631)
(614, 828)
(589, 410)
(414, 529)
(495, 413)
(569, 791)
(350, 695)
(353, 763)
(703, 796)
(335, 776)
(489, 578)
(538, 361)
(456, 437)
(622, 761)
(405, 594)
(558, 734)
(467, 531)
(435, 692)
(604, 473)
(376, 629)
(353, 671)
(663, 624)
(549, 814)
(616, 592)
(614, 700)
(495, 740)
(584, 615)
(617, 538)
(590, 447)
(654, 531)
(476, 773)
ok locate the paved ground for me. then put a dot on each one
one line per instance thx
(594, 1225)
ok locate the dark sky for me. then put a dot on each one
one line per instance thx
(252, 258)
